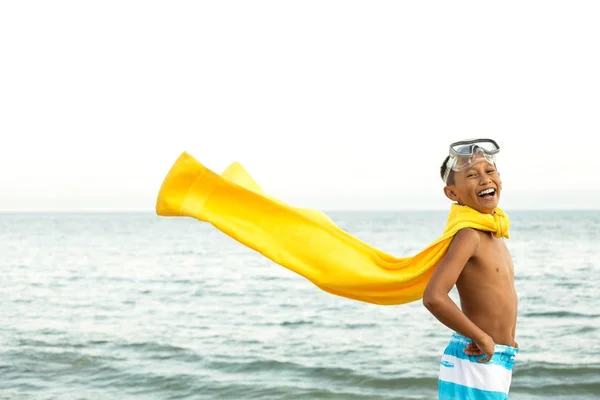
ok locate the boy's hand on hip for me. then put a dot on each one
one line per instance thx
(482, 348)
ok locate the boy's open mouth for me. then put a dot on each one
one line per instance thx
(487, 193)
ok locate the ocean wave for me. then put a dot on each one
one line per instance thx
(331, 375)
(557, 379)
(560, 314)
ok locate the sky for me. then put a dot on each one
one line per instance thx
(336, 105)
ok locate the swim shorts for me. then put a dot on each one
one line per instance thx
(462, 377)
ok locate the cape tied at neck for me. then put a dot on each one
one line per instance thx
(466, 217)
(307, 241)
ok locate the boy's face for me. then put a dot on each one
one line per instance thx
(478, 187)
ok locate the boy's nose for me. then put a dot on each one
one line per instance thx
(484, 180)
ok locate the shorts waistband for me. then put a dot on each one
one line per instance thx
(459, 342)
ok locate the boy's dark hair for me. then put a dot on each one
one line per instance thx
(443, 171)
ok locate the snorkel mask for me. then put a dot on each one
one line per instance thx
(465, 153)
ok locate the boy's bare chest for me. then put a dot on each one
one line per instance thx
(492, 259)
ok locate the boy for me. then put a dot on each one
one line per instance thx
(477, 363)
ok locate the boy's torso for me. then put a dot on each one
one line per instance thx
(487, 292)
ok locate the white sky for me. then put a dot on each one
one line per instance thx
(333, 105)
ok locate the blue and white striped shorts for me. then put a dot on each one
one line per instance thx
(463, 377)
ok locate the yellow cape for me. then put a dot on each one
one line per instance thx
(306, 241)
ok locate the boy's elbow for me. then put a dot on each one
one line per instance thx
(432, 299)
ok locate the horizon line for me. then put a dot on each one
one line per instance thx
(151, 211)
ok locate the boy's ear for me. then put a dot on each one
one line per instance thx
(449, 192)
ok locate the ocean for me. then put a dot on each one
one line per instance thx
(136, 306)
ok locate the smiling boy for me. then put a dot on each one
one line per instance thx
(477, 363)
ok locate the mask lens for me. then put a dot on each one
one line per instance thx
(469, 148)
(467, 161)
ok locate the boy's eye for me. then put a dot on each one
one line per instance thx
(491, 171)
(471, 175)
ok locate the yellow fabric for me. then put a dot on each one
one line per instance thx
(306, 241)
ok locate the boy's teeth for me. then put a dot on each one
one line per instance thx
(486, 191)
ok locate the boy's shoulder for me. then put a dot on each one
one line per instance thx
(467, 242)
(463, 246)
(467, 236)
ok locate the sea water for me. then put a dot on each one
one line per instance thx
(135, 306)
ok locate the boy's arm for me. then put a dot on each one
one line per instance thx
(514, 331)
(436, 298)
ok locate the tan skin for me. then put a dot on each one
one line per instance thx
(480, 266)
